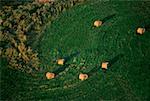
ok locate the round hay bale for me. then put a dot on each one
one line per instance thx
(140, 31)
(83, 76)
(50, 75)
(104, 65)
(60, 61)
(97, 23)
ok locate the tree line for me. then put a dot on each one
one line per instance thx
(21, 25)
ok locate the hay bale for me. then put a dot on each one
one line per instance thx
(83, 77)
(60, 61)
(104, 65)
(97, 23)
(140, 31)
(50, 75)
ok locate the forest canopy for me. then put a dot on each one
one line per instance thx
(19, 24)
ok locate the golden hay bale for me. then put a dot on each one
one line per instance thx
(140, 31)
(50, 75)
(60, 61)
(97, 23)
(104, 65)
(83, 76)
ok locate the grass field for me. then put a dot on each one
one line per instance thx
(116, 41)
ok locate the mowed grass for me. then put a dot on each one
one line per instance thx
(72, 32)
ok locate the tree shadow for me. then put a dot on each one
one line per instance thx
(11, 81)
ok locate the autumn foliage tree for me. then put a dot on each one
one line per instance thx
(18, 27)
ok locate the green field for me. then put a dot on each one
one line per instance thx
(116, 41)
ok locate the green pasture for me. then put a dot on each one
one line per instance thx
(72, 36)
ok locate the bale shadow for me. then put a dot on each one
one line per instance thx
(115, 59)
(108, 18)
(61, 69)
(93, 71)
(67, 58)
(111, 63)
(147, 27)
